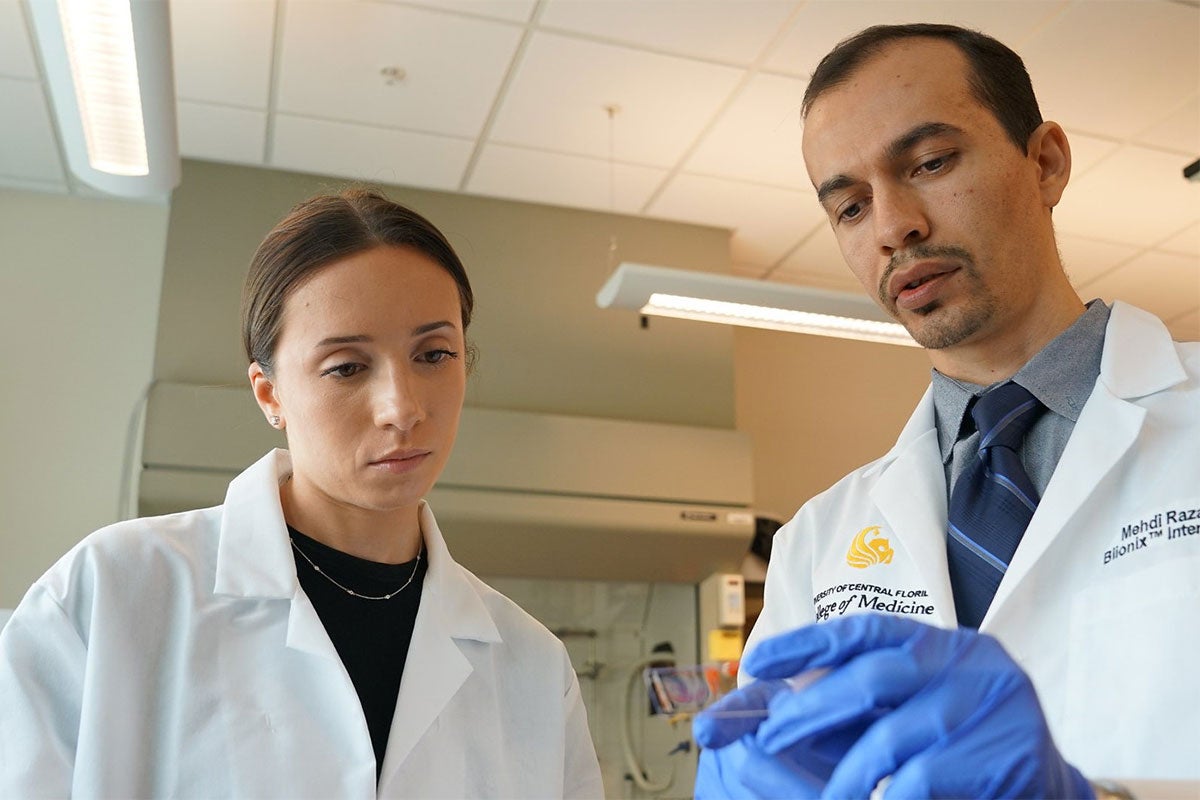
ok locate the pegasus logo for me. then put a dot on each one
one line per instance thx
(869, 548)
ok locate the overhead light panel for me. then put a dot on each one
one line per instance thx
(707, 297)
(108, 69)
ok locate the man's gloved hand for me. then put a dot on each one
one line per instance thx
(944, 713)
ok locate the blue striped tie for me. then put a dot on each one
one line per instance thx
(992, 502)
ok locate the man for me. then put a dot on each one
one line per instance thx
(1033, 539)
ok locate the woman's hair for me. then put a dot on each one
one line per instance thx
(324, 229)
(997, 75)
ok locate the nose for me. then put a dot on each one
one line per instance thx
(397, 400)
(900, 219)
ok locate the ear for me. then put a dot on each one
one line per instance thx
(1049, 150)
(264, 394)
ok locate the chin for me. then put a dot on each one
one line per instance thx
(938, 327)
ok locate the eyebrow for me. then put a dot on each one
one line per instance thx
(898, 147)
(914, 137)
(420, 330)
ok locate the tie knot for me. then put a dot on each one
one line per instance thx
(1004, 415)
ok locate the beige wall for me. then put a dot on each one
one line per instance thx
(80, 281)
(544, 346)
(817, 407)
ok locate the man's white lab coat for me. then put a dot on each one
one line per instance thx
(178, 656)
(1101, 603)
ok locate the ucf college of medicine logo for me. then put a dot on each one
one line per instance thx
(868, 549)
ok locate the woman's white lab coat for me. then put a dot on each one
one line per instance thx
(1101, 604)
(178, 656)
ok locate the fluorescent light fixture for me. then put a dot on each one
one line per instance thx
(708, 297)
(108, 69)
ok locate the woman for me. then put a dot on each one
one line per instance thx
(312, 637)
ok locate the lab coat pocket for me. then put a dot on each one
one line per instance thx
(1133, 697)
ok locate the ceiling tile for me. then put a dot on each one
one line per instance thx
(1087, 259)
(558, 179)
(558, 96)
(1103, 67)
(333, 51)
(1087, 151)
(758, 137)
(1187, 242)
(16, 54)
(222, 50)
(30, 148)
(821, 24)
(221, 133)
(1186, 328)
(511, 10)
(818, 262)
(1179, 130)
(1165, 284)
(766, 221)
(717, 30)
(378, 155)
(1136, 196)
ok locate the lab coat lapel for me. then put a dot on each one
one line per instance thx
(1139, 359)
(911, 494)
(451, 610)
(254, 556)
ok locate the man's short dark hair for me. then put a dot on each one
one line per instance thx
(998, 77)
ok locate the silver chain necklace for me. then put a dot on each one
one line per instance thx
(349, 591)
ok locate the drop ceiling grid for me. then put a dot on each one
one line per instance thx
(766, 220)
(332, 55)
(370, 153)
(222, 51)
(1165, 282)
(1137, 196)
(757, 139)
(539, 176)
(217, 132)
(664, 100)
(1153, 122)
(823, 23)
(1112, 69)
(707, 30)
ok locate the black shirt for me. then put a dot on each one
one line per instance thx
(371, 636)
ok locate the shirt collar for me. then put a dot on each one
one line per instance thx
(1062, 390)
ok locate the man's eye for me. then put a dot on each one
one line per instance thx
(850, 212)
(936, 164)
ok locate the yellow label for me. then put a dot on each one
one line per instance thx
(724, 645)
(869, 548)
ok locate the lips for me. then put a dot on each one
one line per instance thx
(919, 284)
(400, 460)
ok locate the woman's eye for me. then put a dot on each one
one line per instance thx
(344, 370)
(437, 356)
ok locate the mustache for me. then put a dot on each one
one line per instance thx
(922, 252)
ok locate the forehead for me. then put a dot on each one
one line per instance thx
(374, 290)
(908, 83)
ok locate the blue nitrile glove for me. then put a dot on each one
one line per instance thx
(734, 765)
(956, 716)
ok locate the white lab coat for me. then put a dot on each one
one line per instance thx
(178, 656)
(1111, 641)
